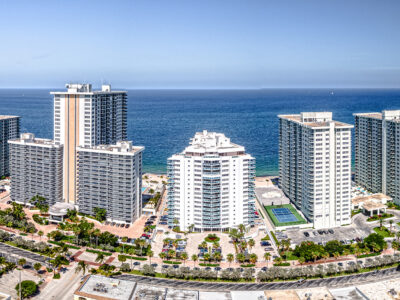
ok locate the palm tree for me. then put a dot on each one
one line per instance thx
(230, 258)
(162, 255)
(398, 235)
(81, 267)
(184, 256)
(253, 258)
(131, 252)
(207, 256)
(22, 262)
(391, 223)
(194, 258)
(40, 233)
(267, 256)
(241, 228)
(251, 243)
(240, 257)
(100, 258)
(150, 254)
(191, 227)
(141, 243)
(380, 223)
(37, 266)
(314, 255)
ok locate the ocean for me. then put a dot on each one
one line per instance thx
(164, 120)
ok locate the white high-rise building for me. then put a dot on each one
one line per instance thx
(315, 166)
(211, 184)
(377, 152)
(83, 118)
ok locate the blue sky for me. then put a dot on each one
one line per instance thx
(201, 44)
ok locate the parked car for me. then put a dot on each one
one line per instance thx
(306, 234)
(331, 231)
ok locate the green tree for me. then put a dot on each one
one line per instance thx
(150, 254)
(100, 213)
(81, 267)
(194, 258)
(375, 240)
(334, 246)
(17, 211)
(253, 258)
(40, 233)
(37, 266)
(28, 288)
(100, 258)
(21, 262)
(251, 243)
(184, 257)
(267, 256)
(230, 258)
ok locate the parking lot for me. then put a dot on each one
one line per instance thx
(360, 228)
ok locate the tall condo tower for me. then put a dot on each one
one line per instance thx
(211, 184)
(110, 177)
(315, 166)
(377, 138)
(9, 129)
(36, 169)
(84, 118)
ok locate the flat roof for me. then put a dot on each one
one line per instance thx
(372, 205)
(149, 292)
(378, 196)
(373, 115)
(175, 294)
(4, 117)
(105, 288)
(297, 119)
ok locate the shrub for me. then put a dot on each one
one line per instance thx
(208, 265)
(171, 262)
(57, 276)
(248, 266)
(28, 288)
(282, 264)
(98, 252)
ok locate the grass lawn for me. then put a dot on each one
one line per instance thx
(290, 256)
(384, 232)
(271, 215)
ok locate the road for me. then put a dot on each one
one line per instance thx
(332, 282)
(61, 289)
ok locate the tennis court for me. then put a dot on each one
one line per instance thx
(284, 215)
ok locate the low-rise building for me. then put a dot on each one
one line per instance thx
(371, 204)
(110, 177)
(36, 169)
(97, 287)
(59, 211)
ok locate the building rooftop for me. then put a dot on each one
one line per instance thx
(212, 143)
(61, 208)
(315, 119)
(373, 115)
(4, 117)
(121, 147)
(281, 295)
(372, 205)
(148, 292)
(371, 198)
(86, 89)
(173, 294)
(105, 288)
(29, 138)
